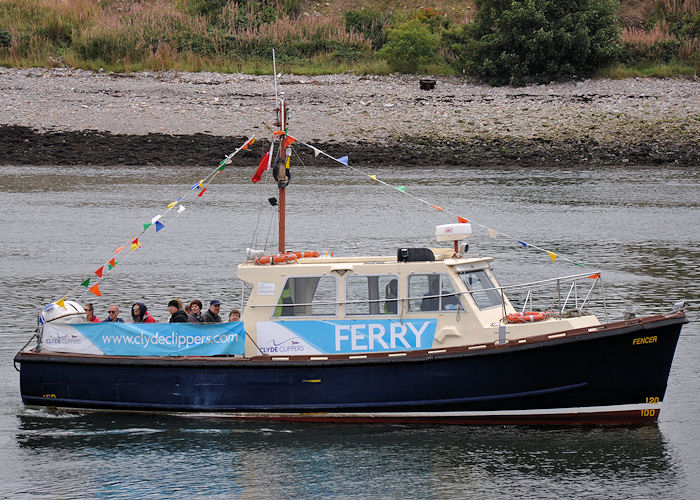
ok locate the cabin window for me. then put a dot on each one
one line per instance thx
(481, 288)
(371, 295)
(307, 296)
(431, 292)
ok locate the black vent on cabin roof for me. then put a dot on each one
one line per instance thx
(414, 254)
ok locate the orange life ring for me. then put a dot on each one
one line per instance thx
(280, 258)
(301, 255)
(526, 317)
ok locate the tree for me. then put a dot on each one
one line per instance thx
(409, 46)
(517, 41)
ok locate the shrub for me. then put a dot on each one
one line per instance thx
(370, 23)
(514, 42)
(409, 46)
(5, 38)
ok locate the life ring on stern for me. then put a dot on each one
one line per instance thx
(526, 317)
(280, 258)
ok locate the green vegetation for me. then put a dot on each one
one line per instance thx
(507, 42)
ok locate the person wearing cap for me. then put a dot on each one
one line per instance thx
(212, 314)
(177, 315)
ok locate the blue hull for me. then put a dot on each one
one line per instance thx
(601, 376)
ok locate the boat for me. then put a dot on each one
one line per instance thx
(425, 335)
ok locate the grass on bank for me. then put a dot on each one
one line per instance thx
(227, 36)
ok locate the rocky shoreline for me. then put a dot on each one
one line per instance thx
(67, 117)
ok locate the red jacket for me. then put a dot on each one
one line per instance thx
(94, 320)
(147, 318)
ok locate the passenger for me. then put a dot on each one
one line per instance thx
(212, 314)
(391, 306)
(195, 315)
(139, 313)
(90, 314)
(234, 315)
(113, 314)
(188, 308)
(177, 315)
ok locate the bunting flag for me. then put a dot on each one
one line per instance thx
(439, 209)
(111, 264)
(316, 151)
(147, 225)
(373, 177)
(262, 167)
(462, 220)
(279, 132)
(580, 264)
(135, 244)
(247, 143)
(171, 205)
(98, 272)
(400, 188)
(594, 276)
(201, 192)
(181, 209)
(492, 233)
(156, 219)
(343, 160)
(222, 165)
(159, 226)
(523, 243)
(60, 302)
(288, 141)
(96, 290)
(552, 256)
(86, 283)
(119, 249)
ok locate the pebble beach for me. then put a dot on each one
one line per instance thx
(68, 116)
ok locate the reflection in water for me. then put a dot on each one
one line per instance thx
(118, 453)
(59, 224)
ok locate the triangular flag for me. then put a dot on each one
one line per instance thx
(247, 143)
(288, 141)
(156, 218)
(159, 226)
(112, 264)
(201, 193)
(343, 160)
(222, 166)
(194, 186)
(60, 302)
(462, 220)
(278, 132)
(316, 151)
(373, 177)
(262, 167)
(171, 205)
(86, 283)
(523, 243)
(181, 209)
(552, 256)
(439, 209)
(201, 183)
(492, 232)
(135, 244)
(96, 290)
(594, 276)
(147, 225)
(98, 272)
(400, 188)
(580, 264)
(119, 249)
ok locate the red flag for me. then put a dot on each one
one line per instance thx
(462, 220)
(264, 164)
(95, 289)
(439, 209)
(594, 276)
(98, 272)
(288, 141)
(201, 192)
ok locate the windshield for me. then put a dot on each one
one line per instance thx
(481, 288)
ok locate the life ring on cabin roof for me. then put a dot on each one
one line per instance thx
(280, 258)
(526, 317)
(301, 255)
